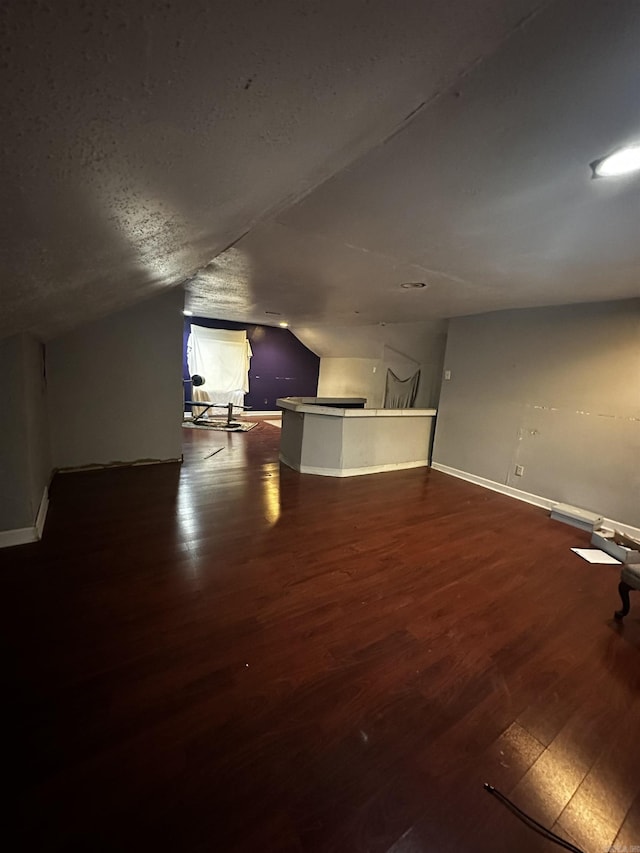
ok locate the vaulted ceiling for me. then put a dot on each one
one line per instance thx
(305, 157)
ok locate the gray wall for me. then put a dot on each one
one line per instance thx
(115, 386)
(352, 377)
(556, 390)
(36, 420)
(25, 463)
(349, 355)
(15, 507)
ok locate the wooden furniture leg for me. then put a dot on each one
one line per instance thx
(623, 589)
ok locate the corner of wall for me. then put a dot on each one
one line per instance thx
(26, 462)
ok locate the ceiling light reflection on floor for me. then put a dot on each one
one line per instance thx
(556, 785)
(271, 494)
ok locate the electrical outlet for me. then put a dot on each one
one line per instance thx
(447, 374)
(519, 470)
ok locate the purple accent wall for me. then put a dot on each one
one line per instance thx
(281, 366)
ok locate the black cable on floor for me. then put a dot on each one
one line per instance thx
(530, 822)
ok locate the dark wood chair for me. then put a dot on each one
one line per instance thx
(629, 579)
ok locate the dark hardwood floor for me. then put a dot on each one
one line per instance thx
(229, 656)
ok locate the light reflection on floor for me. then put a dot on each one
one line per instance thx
(271, 492)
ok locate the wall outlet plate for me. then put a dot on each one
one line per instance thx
(519, 470)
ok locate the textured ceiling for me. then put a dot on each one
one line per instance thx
(339, 148)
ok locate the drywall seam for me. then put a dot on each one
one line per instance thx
(397, 352)
(583, 412)
(273, 211)
(527, 497)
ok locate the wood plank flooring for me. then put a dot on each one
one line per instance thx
(229, 656)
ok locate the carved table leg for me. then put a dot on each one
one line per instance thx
(623, 589)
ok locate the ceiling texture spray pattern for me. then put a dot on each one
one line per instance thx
(338, 148)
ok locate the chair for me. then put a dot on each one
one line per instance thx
(629, 579)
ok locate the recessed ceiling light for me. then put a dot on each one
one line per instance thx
(621, 162)
(283, 325)
(187, 313)
(413, 285)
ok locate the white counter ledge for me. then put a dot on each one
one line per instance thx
(337, 437)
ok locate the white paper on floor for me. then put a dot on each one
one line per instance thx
(595, 555)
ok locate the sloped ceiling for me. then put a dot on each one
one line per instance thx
(305, 158)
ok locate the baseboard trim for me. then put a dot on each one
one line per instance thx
(353, 472)
(627, 529)
(248, 413)
(527, 497)
(100, 466)
(518, 494)
(25, 535)
(41, 517)
(18, 536)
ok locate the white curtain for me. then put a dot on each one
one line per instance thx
(222, 358)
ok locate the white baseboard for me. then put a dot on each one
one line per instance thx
(353, 472)
(250, 413)
(41, 517)
(18, 536)
(527, 497)
(24, 535)
(518, 494)
(101, 466)
(627, 529)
